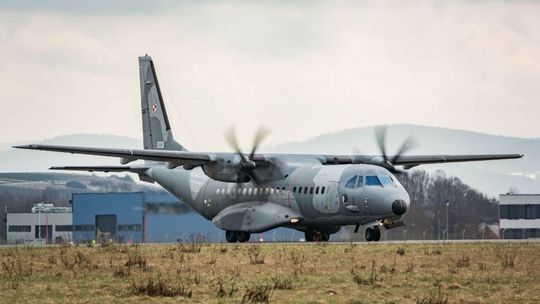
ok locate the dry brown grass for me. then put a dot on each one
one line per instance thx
(275, 273)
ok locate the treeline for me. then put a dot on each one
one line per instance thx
(468, 209)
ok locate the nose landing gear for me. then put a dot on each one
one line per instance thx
(373, 234)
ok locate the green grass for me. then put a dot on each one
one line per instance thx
(302, 273)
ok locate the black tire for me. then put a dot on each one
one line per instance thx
(230, 236)
(242, 236)
(316, 236)
(309, 234)
(377, 235)
(369, 234)
(325, 237)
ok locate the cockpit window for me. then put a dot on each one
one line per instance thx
(360, 182)
(373, 181)
(386, 181)
(351, 182)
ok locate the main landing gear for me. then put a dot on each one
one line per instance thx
(373, 234)
(316, 236)
(237, 236)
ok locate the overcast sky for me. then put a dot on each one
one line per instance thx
(301, 68)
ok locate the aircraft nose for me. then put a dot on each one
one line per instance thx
(399, 207)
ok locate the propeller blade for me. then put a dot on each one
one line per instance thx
(380, 136)
(407, 145)
(230, 136)
(261, 134)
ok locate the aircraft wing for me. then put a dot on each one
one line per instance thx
(409, 161)
(174, 158)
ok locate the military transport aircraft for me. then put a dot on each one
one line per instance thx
(252, 193)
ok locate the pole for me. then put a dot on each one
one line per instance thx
(39, 223)
(438, 228)
(447, 228)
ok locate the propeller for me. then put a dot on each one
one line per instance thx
(246, 162)
(406, 146)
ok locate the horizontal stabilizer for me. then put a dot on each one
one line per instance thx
(141, 170)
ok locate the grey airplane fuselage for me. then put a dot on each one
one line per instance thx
(317, 195)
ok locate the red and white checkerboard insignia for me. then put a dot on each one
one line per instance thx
(154, 108)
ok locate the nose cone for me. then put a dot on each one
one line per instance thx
(399, 207)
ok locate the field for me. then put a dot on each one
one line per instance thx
(278, 273)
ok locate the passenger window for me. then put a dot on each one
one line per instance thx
(311, 190)
(360, 182)
(294, 189)
(322, 190)
(283, 189)
(373, 181)
(351, 182)
(317, 190)
(305, 190)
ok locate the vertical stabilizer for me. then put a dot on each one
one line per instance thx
(157, 133)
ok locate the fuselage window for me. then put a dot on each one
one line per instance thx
(360, 182)
(386, 181)
(351, 182)
(294, 189)
(249, 191)
(322, 190)
(283, 188)
(311, 190)
(217, 191)
(305, 190)
(317, 190)
(228, 191)
(373, 181)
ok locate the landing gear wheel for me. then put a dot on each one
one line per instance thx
(230, 236)
(242, 236)
(316, 236)
(373, 234)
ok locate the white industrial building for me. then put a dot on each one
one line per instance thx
(519, 216)
(46, 224)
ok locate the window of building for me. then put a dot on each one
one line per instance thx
(134, 227)
(20, 228)
(84, 228)
(351, 182)
(530, 212)
(373, 181)
(63, 228)
(43, 230)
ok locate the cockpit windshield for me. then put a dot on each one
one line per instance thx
(373, 181)
(387, 181)
(351, 182)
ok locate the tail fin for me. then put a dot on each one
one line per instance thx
(157, 131)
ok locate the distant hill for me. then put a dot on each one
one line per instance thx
(493, 177)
